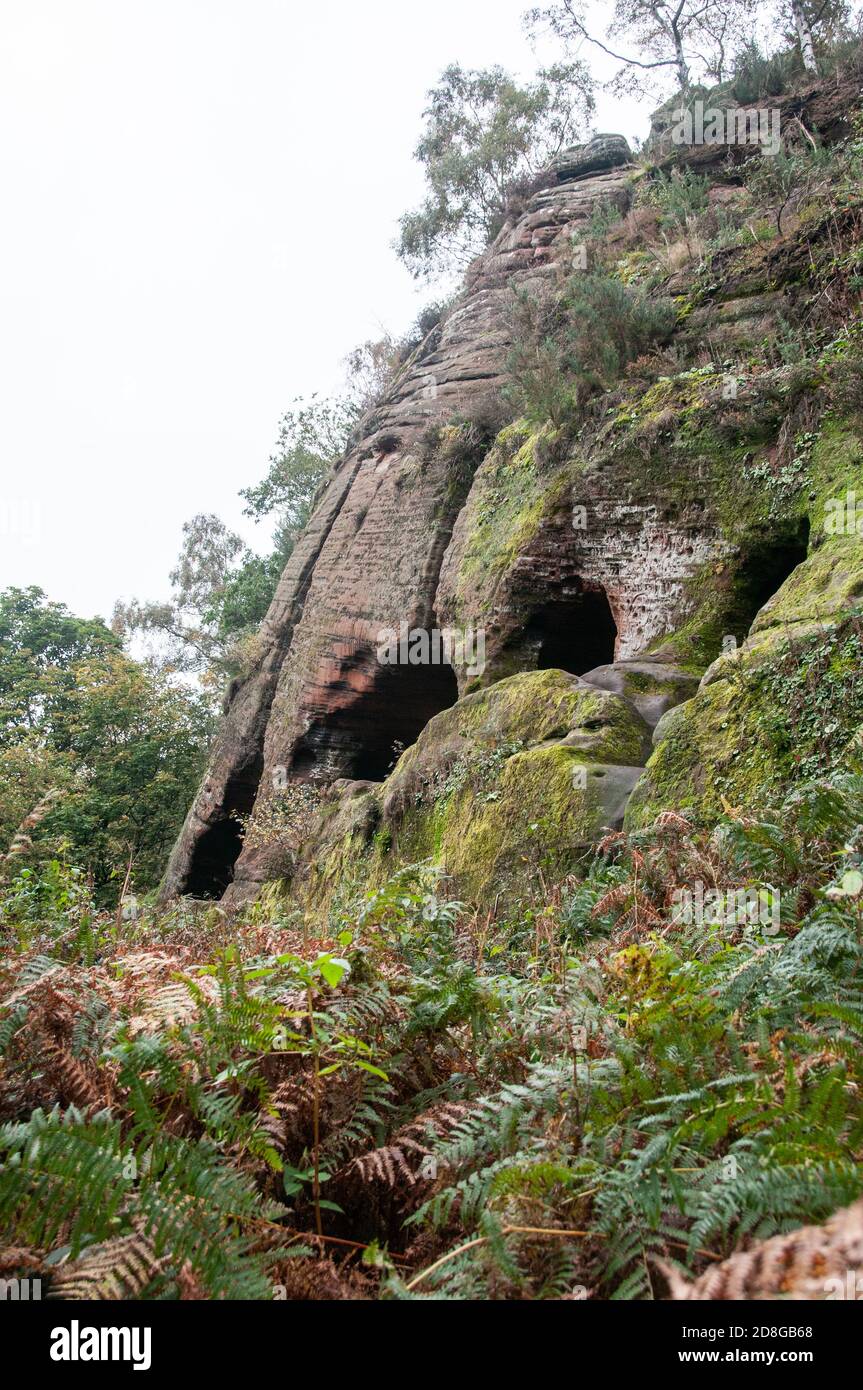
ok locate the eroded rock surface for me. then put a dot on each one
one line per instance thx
(371, 558)
(620, 558)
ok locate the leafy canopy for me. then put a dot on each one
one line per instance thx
(678, 39)
(484, 136)
(40, 643)
(122, 745)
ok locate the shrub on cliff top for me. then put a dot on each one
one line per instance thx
(484, 135)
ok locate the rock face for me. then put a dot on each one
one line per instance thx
(821, 107)
(785, 699)
(318, 702)
(541, 759)
(599, 571)
(602, 152)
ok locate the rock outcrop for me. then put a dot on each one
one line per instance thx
(529, 770)
(371, 559)
(605, 571)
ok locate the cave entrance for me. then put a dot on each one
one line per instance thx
(765, 564)
(363, 740)
(218, 849)
(574, 634)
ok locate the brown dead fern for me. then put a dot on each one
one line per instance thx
(115, 1269)
(814, 1262)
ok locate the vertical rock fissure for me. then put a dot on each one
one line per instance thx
(210, 844)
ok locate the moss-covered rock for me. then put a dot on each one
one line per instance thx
(512, 491)
(653, 687)
(786, 705)
(523, 774)
(784, 708)
(542, 808)
(340, 840)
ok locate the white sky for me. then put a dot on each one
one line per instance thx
(198, 204)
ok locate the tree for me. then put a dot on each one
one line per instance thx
(313, 436)
(28, 771)
(220, 589)
(672, 38)
(123, 746)
(138, 746)
(40, 644)
(808, 23)
(803, 30)
(484, 135)
(186, 624)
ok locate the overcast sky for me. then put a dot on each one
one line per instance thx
(198, 203)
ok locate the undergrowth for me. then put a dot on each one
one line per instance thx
(424, 1103)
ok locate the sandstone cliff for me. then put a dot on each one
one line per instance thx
(608, 568)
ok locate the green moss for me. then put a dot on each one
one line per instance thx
(826, 585)
(782, 710)
(634, 267)
(510, 496)
(747, 734)
(530, 708)
(490, 841)
(489, 792)
(340, 849)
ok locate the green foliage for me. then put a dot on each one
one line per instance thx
(680, 196)
(220, 589)
(53, 892)
(713, 1093)
(814, 701)
(549, 1121)
(661, 44)
(484, 136)
(565, 349)
(312, 437)
(140, 744)
(242, 604)
(757, 76)
(123, 747)
(188, 628)
(820, 185)
(604, 216)
(40, 645)
(65, 1174)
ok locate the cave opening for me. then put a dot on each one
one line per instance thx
(574, 634)
(218, 849)
(363, 740)
(766, 564)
